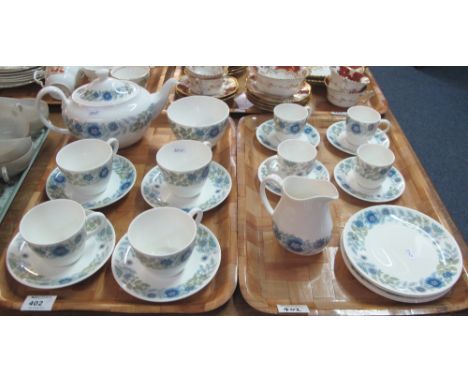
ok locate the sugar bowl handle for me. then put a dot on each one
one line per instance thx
(272, 178)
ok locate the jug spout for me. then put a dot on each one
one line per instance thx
(160, 98)
(301, 189)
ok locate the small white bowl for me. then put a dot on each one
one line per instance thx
(10, 169)
(11, 149)
(136, 74)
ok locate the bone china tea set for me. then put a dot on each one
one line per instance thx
(167, 253)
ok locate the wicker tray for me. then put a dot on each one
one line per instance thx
(269, 276)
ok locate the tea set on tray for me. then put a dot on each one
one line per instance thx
(394, 251)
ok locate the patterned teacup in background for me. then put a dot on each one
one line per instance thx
(163, 238)
(57, 230)
(295, 157)
(64, 77)
(87, 164)
(185, 165)
(373, 164)
(290, 120)
(206, 80)
(362, 123)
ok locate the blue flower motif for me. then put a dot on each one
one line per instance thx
(77, 127)
(320, 243)
(371, 127)
(172, 292)
(104, 172)
(447, 274)
(107, 96)
(386, 212)
(295, 244)
(59, 178)
(307, 130)
(214, 132)
(60, 251)
(113, 126)
(88, 177)
(359, 223)
(94, 131)
(434, 282)
(371, 217)
(392, 172)
(65, 280)
(151, 295)
(199, 133)
(78, 239)
(191, 177)
(295, 128)
(356, 128)
(186, 255)
(205, 172)
(124, 186)
(420, 289)
(166, 262)
(319, 167)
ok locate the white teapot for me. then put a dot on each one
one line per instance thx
(107, 108)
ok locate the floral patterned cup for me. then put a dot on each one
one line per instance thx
(185, 165)
(295, 157)
(57, 230)
(373, 164)
(361, 124)
(163, 238)
(290, 120)
(87, 164)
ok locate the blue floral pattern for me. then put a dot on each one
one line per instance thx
(288, 128)
(187, 178)
(166, 262)
(298, 245)
(89, 178)
(210, 133)
(74, 243)
(107, 95)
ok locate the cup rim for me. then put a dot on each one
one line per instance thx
(183, 171)
(142, 76)
(301, 143)
(152, 211)
(379, 147)
(194, 98)
(289, 105)
(78, 142)
(355, 108)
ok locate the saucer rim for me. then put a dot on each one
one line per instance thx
(338, 182)
(169, 299)
(49, 179)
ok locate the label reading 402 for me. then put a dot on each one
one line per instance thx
(38, 303)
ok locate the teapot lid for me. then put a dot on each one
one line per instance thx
(104, 90)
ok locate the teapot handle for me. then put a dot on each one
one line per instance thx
(270, 178)
(43, 117)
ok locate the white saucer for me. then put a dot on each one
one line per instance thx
(122, 180)
(336, 136)
(29, 269)
(392, 187)
(216, 189)
(142, 283)
(266, 135)
(318, 172)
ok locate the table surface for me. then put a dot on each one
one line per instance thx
(31, 194)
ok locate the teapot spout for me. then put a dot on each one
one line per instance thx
(160, 98)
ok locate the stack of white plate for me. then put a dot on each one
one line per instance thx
(401, 254)
(14, 76)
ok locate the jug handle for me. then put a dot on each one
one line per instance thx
(270, 178)
(42, 117)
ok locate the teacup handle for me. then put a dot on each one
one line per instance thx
(270, 178)
(198, 213)
(100, 217)
(386, 123)
(114, 144)
(5, 176)
(36, 75)
(207, 143)
(42, 93)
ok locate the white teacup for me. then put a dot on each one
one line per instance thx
(56, 230)
(362, 123)
(185, 165)
(290, 120)
(136, 74)
(295, 157)
(87, 164)
(163, 238)
(373, 163)
(63, 77)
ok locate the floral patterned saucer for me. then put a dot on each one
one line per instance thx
(215, 191)
(142, 283)
(319, 172)
(391, 189)
(31, 270)
(122, 180)
(336, 132)
(266, 135)
(402, 251)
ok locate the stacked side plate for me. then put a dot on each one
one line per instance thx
(401, 254)
(14, 76)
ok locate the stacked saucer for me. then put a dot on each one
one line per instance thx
(236, 71)
(14, 76)
(401, 254)
(227, 91)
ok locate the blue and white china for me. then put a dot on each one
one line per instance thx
(163, 238)
(302, 222)
(200, 118)
(336, 136)
(122, 179)
(184, 165)
(31, 270)
(266, 135)
(56, 230)
(107, 108)
(362, 123)
(270, 166)
(139, 281)
(402, 251)
(157, 192)
(372, 165)
(290, 119)
(295, 157)
(87, 164)
(381, 292)
(392, 187)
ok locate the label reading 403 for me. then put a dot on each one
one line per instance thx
(38, 303)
